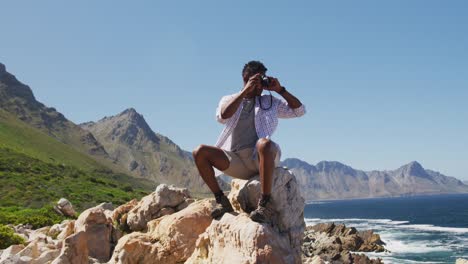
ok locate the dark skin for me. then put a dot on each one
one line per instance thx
(206, 157)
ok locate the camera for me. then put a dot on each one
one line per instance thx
(265, 81)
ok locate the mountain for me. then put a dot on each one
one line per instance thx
(334, 180)
(44, 156)
(18, 99)
(131, 143)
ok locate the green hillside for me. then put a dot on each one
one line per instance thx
(19, 136)
(32, 183)
(37, 170)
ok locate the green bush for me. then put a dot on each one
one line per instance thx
(45, 216)
(8, 237)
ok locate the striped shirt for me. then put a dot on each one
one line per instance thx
(266, 121)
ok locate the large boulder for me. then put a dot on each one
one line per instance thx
(163, 201)
(74, 250)
(97, 227)
(235, 238)
(170, 239)
(286, 200)
(65, 207)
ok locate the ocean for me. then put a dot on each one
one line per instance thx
(418, 229)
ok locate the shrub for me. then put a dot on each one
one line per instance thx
(8, 237)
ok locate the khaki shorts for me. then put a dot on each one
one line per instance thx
(241, 164)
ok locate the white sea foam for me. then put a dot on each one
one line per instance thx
(437, 228)
(395, 260)
(400, 224)
(358, 220)
(397, 244)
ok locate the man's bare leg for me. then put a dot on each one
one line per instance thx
(207, 157)
(266, 156)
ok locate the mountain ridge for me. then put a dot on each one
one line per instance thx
(334, 180)
(132, 143)
(18, 99)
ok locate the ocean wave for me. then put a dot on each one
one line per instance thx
(399, 224)
(459, 230)
(394, 260)
(380, 221)
(399, 244)
(317, 202)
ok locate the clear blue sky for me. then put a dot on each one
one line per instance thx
(384, 82)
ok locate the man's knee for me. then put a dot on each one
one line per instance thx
(199, 152)
(265, 145)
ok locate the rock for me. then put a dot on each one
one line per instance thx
(123, 209)
(237, 239)
(150, 206)
(461, 261)
(286, 199)
(65, 207)
(120, 214)
(9, 253)
(336, 242)
(108, 209)
(47, 256)
(313, 260)
(74, 250)
(68, 229)
(97, 228)
(170, 239)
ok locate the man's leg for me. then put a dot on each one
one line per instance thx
(207, 157)
(266, 157)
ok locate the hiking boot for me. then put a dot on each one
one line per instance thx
(223, 206)
(264, 212)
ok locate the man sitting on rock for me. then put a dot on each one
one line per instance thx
(244, 147)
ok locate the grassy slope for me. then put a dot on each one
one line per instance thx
(22, 138)
(32, 183)
(36, 169)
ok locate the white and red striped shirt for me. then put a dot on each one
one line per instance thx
(266, 121)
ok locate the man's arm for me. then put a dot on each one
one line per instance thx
(231, 107)
(289, 107)
(293, 102)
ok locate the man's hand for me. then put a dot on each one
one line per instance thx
(274, 85)
(252, 84)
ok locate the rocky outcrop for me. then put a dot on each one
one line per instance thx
(93, 236)
(237, 239)
(170, 239)
(167, 226)
(334, 243)
(164, 201)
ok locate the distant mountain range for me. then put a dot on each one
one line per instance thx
(334, 180)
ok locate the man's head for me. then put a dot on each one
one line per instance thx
(252, 68)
